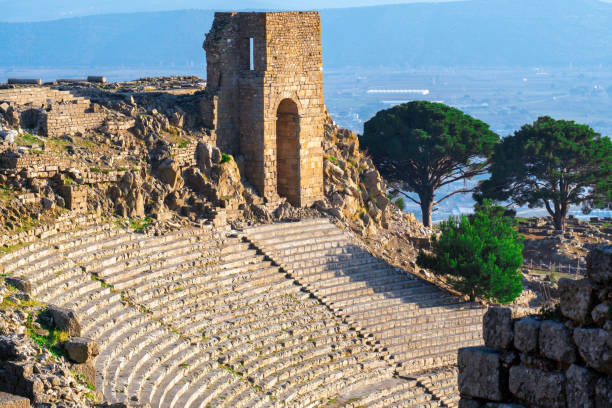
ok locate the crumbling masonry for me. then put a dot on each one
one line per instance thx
(264, 99)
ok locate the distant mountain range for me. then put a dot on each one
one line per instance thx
(477, 33)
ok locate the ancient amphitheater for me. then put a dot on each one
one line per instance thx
(287, 314)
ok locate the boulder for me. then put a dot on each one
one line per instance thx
(204, 155)
(580, 390)
(168, 172)
(20, 283)
(555, 342)
(537, 388)
(481, 374)
(599, 266)
(66, 320)
(497, 327)
(526, 334)
(601, 313)
(81, 349)
(9, 135)
(577, 298)
(595, 347)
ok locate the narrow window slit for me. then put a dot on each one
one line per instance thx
(252, 52)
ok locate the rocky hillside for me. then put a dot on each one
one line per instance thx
(138, 150)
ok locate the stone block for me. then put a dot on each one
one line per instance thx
(481, 374)
(13, 401)
(555, 342)
(470, 403)
(595, 347)
(580, 390)
(502, 405)
(66, 320)
(537, 388)
(87, 370)
(603, 393)
(497, 327)
(599, 266)
(526, 334)
(577, 299)
(81, 349)
(601, 313)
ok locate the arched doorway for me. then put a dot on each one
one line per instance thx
(287, 151)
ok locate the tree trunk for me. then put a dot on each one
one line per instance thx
(559, 221)
(427, 200)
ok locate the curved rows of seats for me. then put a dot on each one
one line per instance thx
(419, 326)
(153, 354)
(199, 318)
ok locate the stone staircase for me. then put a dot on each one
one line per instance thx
(204, 318)
(415, 325)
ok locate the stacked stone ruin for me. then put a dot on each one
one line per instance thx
(559, 362)
(290, 314)
(52, 111)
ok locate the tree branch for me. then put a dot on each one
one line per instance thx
(463, 190)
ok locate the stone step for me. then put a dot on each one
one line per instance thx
(278, 228)
(427, 358)
(174, 281)
(273, 239)
(308, 272)
(384, 288)
(360, 275)
(418, 296)
(142, 383)
(435, 338)
(410, 315)
(410, 331)
(186, 399)
(328, 241)
(48, 245)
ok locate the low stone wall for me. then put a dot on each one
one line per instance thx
(37, 97)
(565, 361)
(41, 162)
(185, 156)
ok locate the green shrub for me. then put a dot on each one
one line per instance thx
(332, 159)
(225, 158)
(51, 341)
(481, 255)
(140, 225)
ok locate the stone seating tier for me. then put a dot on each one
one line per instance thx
(199, 317)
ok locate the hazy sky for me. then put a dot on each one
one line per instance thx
(38, 10)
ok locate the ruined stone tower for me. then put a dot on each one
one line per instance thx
(264, 99)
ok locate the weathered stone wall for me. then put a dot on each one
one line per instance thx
(244, 104)
(184, 156)
(555, 363)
